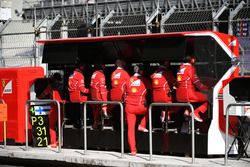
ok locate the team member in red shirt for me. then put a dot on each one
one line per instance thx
(76, 86)
(54, 84)
(162, 82)
(190, 88)
(78, 93)
(98, 93)
(118, 81)
(136, 90)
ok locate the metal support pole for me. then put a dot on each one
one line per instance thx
(96, 22)
(4, 133)
(122, 122)
(227, 125)
(150, 125)
(59, 120)
(85, 127)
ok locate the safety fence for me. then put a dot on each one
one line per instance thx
(39, 102)
(189, 105)
(227, 126)
(85, 122)
(169, 105)
(18, 46)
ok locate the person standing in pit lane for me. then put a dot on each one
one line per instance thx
(136, 88)
(54, 84)
(78, 93)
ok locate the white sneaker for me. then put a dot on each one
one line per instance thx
(142, 129)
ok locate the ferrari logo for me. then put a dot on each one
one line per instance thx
(3, 83)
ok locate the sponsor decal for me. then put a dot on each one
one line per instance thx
(136, 83)
(156, 82)
(7, 86)
(133, 90)
(179, 78)
(158, 75)
(117, 76)
(115, 82)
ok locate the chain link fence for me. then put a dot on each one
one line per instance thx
(124, 25)
(17, 44)
(72, 28)
(189, 21)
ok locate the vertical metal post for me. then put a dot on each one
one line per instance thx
(122, 130)
(150, 126)
(150, 133)
(4, 133)
(226, 137)
(85, 127)
(59, 126)
(122, 122)
(193, 142)
(26, 126)
(96, 22)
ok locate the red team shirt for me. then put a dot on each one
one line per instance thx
(118, 81)
(160, 86)
(136, 88)
(187, 85)
(98, 86)
(77, 90)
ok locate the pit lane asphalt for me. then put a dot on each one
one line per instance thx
(17, 155)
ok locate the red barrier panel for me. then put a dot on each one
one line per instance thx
(15, 84)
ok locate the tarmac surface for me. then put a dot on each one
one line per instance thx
(18, 155)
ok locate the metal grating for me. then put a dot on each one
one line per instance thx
(125, 25)
(189, 21)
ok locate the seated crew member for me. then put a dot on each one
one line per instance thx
(55, 83)
(189, 87)
(162, 82)
(78, 93)
(135, 104)
(76, 86)
(98, 93)
(118, 81)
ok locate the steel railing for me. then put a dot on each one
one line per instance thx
(4, 127)
(169, 105)
(227, 125)
(59, 120)
(85, 125)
